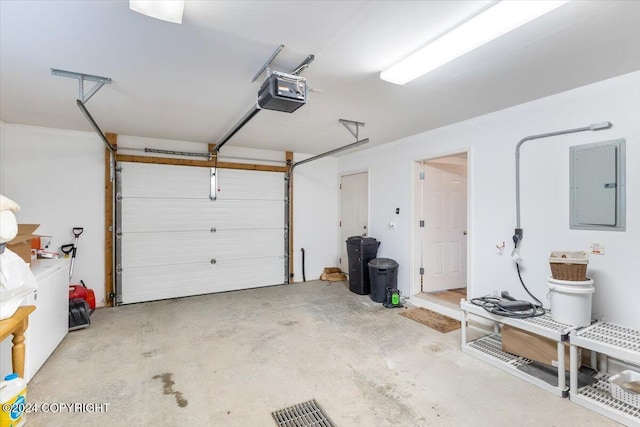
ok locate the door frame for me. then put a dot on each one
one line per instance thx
(416, 201)
(340, 175)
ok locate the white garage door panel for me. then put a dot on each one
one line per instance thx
(148, 180)
(158, 249)
(166, 246)
(149, 215)
(144, 180)
(232, 185)
(145, 284)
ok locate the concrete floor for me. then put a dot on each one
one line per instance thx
(231, 359)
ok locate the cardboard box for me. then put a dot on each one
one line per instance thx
(21, 244)
(333, 274)
(532, 346)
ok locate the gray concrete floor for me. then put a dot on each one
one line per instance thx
(231, 359)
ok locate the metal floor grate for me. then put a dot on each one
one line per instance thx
(306, 414)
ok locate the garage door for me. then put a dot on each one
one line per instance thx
(176, 242)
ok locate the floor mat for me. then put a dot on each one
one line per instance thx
(437, 321)
(306, 414)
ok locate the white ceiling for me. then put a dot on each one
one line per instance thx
(192, 81)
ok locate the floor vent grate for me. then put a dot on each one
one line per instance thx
(306, 414)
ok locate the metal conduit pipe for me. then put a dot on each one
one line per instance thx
(287, 195)
(517, 236)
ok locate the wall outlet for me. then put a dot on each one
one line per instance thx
(597, 248)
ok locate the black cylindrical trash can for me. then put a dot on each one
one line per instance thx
(360, 250)
(383, 274)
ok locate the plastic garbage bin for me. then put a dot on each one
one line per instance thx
(383, 274)
(360, 250)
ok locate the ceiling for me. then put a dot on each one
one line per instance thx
(192, 81)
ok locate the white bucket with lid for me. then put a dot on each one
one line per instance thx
(588, 282)
(571, 303)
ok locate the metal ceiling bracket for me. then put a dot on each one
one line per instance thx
(352, 126)
(82, 96)
(268, 63)
(303, 65)
(213, 189)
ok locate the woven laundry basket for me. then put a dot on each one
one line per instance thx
(570, 266)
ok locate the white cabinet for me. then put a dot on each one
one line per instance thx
(49, 323)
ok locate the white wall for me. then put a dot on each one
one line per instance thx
(315, 200)
(491, 140)
(57, 177)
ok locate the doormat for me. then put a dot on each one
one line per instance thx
(437, 321)
(306, 414)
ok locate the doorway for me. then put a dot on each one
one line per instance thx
(441, 209)
(354, 211)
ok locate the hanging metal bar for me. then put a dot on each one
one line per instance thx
(518, 234)
(243, 121)
(268, 63)
(331, 152)
(95, 125)
(178, 153)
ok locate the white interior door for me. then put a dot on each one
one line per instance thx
(445, 215)
(354, 211)
(176, 242)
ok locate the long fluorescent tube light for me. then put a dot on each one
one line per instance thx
(498, 19)
(165, 10)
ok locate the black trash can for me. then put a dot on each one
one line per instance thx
(360, 250)
(383, 274)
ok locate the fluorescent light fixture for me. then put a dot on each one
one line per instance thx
(494, 21)
(166, 10)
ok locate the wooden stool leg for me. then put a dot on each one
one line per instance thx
(17, 351)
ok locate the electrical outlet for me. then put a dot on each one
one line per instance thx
(597, 248)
